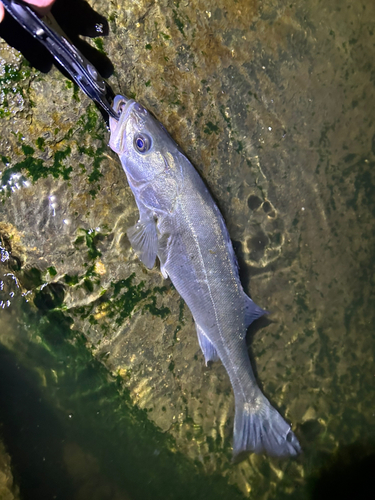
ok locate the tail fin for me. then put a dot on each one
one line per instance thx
(262, 430)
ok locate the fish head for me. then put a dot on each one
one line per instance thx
(139, 139)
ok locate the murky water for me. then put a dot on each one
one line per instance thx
(103, 389)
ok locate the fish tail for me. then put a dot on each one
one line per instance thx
(262, 431)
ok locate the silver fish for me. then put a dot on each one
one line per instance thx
(180, 224)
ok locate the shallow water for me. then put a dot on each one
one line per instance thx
(273, 103)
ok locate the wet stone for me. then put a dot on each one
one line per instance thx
(8, 488)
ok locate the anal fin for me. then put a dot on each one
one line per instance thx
(208, 349)
(252, 311)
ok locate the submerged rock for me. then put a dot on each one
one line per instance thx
(8, 488)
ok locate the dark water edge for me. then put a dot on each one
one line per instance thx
(81, 404)
(72, 416)
(32, 434)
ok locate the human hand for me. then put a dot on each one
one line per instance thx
(40, 6)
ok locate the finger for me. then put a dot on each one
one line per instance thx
(41, 6)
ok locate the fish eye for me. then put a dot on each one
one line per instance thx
(142, 143)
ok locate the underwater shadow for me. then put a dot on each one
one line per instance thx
(31, 433)
(348, 474)
(76, 17)
(252, 331)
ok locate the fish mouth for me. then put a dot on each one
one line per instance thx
(123, 106)
(121, 103)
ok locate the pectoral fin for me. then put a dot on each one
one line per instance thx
(144, 240)
(208, 349)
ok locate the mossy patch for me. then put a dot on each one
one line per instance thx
(11, 82)
(178, 22)
(35, 168)
(91, 237)
(211, 128)
(99, 44)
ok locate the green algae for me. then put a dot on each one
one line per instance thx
(126, 296)
(27, 150)
(13, 75)
(91, 122)
(91, 237)
(211, 128)
(11, 82)
(178, 22)
(171, 366)
(40, 143)
(76, 90)
(71, 280)
(239, 147)
(162, 312)
(97, 156)
(52, 271)
(58, 168)
(165, 36)
(119, 302)
(35, 168)
(181, 307)
(123, 304)
(99, 44)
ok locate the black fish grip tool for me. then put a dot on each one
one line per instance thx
(49, 33)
